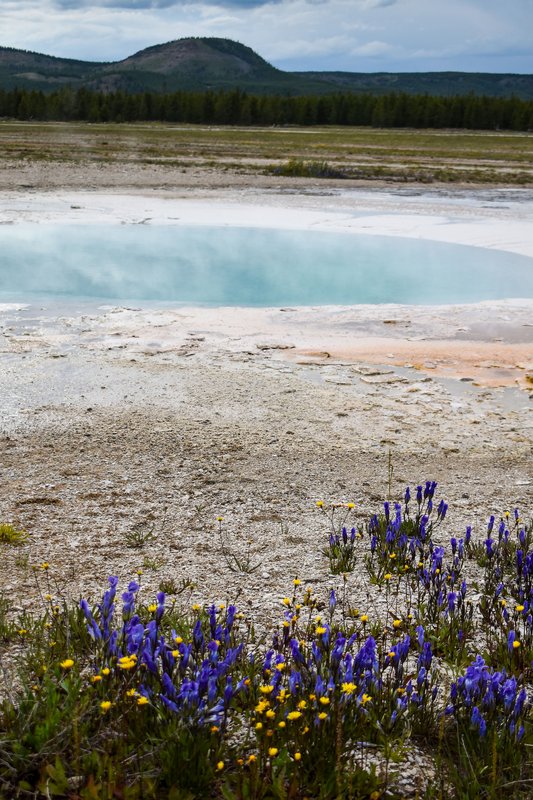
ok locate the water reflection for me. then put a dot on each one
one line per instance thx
(252, 267)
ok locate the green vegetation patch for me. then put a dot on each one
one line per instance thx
(307, 169)
(9, 534)
(144, 698)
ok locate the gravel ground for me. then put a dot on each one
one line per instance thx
(105, 431)
(119, 425)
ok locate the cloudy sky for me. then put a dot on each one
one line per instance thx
(355, 35)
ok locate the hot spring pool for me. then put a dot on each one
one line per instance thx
(249, 267)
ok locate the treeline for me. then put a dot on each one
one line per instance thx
(237, 107)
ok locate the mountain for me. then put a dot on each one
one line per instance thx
(445, 84)
(197, 64)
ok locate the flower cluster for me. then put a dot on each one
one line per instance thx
(191, 698)
(483, 698)
(401, 538)
(190, 678)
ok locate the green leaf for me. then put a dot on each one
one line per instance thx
(54, 781)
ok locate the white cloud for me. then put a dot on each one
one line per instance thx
(358, 35)
(374, 48)
(377, 3)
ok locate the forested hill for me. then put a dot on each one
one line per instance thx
(206, 64)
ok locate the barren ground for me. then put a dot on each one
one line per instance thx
(115, 420)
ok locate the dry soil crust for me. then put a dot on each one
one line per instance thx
(114, 419)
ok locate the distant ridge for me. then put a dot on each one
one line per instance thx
(199, 64)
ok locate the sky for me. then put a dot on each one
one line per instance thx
(353, 35)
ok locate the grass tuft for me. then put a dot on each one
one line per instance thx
(296, 168)
(11, 535)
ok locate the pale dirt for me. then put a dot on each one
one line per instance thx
(117, 418)
(161, 420)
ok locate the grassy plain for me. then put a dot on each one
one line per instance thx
(358, 154)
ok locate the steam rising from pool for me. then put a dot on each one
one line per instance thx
(249, 267)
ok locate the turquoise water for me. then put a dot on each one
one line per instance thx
(249, 267)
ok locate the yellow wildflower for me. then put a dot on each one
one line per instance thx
(348, 688)
(282, 724)
(142, 700)
(292, 715)
(366, 699)
(516, 644)
(96, 678)
(387, 576)
(266, 689)
(220, 765)
(364, 618)
(152, 607)
(297, 582)
(105, 705)
(270, 714)
(397, 623)
(68, 663)
(273, 751)
(324, 701)
(297, 756)
(320, 504)
(322, 715)
(106, 671)
(252, 758)
(126, 662)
